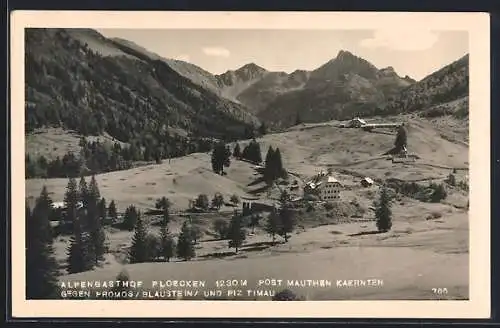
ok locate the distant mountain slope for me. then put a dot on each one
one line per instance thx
(448, 84)
(344, 86)
(233, 83)
(78, 79)
(196, 74)
(258, 95)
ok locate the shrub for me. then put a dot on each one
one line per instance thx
(202, 202)
(287, 295)
(220, 227)
(329, 206)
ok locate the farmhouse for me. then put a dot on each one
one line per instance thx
(326, 187)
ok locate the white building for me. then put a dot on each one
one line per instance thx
(330, 189)
(326, 187)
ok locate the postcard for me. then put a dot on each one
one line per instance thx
(218, 164)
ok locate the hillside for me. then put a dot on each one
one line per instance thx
(258, 95)
(448, 84)
(192, 72)
(305, 149)
(345, 86)
(431, 236)
(82, 81)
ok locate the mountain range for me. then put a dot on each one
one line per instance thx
(74, 75)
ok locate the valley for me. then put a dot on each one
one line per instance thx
(146, 127)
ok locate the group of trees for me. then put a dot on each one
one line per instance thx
(98, 157)
(83, 215)
(148, 247)
(88, 240)
(41, 266)
(431, 193)
(202, 202)
(251, 152)
(273, 165)
(281, 221)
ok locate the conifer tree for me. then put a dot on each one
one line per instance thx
(383, 213)
(112, 212)
(80, 252)
(167, 243)
(94, 188)
(401, 139)
(221, 157)
(41, 266)
(218, 200)
(102, 209)
(237, 151)
(236, 233)
(185, 247)
(83, 190)
(256, 152)
(123, 276)
(254, 221)
(287, 221)
(71, 198)
(80, 255)
(139, 252)
(269, 165)
(130, 218)
(279, 170)
(263, 128)
(273, 224)
(96, 231)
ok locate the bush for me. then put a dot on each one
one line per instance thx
(287, 295)
(220, 226)
(202, 202)
(235, 199)
(329, 206)
(434, 215)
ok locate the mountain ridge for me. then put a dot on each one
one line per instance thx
(344, 86)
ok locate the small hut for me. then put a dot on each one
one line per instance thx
(367, 182)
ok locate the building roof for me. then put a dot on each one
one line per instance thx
(359, 120)
(332, 179)
(63, 205)
(58, 204)
(367, 179)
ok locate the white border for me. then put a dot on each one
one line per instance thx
(477, 24)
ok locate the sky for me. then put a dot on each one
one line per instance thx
(416, 53)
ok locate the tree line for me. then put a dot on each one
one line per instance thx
(83, 216)
(99, 157)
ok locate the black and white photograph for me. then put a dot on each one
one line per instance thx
(251, 163)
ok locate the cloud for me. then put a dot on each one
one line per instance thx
(401, 39)
(183, 57)
(216, 52)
